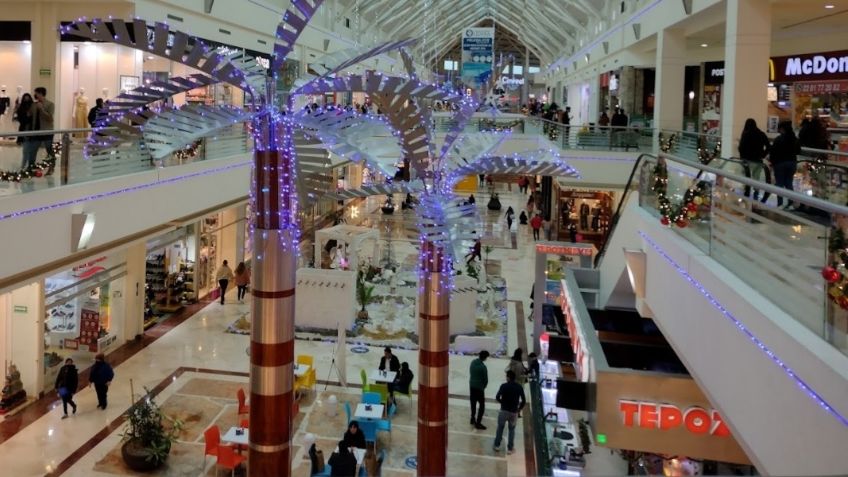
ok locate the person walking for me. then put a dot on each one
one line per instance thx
(478, 379)
(100, 376)
(23, 115)
(510, 217)
(66, 385)
(536, 224)
(242, 279)
(784, 158)
(224, 275)
(475, 253)
(753, 148)
(546, 227)
(41, 117)
(512, 400)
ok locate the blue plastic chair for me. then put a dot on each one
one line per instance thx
(386, 424)
(369, 428)
(371, 398)
(348, 412)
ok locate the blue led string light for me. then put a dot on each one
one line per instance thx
(744, 329)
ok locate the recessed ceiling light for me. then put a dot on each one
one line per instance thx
(828, 6)
(704, 45)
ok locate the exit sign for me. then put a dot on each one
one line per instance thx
(601, 438)
(20, 309)
(45, 72)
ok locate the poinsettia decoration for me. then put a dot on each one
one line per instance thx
(835, 273)
(678, 213)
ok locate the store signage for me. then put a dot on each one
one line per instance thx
(714, 72)
(20, 309)
(821, 87)
(564, 250)
(88, 269)
(664, 417)
(45, 72)
(815, 66)
(575, 333)
(478, 54)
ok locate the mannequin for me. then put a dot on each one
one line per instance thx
(80, 119)
(5, 105)
(20, 93)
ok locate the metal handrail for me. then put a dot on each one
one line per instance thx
(578, 126)
(47, 132)
(763, 186)
(829, 152)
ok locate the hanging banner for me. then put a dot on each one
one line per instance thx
(478, 53)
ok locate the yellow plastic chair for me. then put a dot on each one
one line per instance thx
(310, 379)
(382, 389)
(305, 359)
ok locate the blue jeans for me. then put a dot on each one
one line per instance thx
(503, 418)
(784, 173)
(31, 147)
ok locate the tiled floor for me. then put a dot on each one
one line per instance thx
(83, 441)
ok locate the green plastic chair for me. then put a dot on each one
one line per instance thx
(382, 389)
(364, 377)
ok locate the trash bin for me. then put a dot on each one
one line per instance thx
(331, 405)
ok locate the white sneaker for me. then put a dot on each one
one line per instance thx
(496, 448)
(510, 451)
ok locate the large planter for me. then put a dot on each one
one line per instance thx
(136, 456)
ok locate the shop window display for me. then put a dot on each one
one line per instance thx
(169, 275)
(79, 322)
(584, 216)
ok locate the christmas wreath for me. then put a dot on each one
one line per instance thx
(695, 200)
(834, 274)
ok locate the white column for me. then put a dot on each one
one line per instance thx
(133, 292)
(525, 88)
(746, 54)
(671, 66)
(241, 224)
(26, 312)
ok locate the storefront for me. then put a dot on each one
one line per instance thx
(582, 215)
(15, 58)
(610, 379)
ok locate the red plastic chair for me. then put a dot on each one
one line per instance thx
(245, 423)
(242, 407)
(228, 459)
(212, 439)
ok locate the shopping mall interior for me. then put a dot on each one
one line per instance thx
(423, 237)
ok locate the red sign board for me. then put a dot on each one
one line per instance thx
(89, 329)
(832, 65)
(694, 419)
(564, 250)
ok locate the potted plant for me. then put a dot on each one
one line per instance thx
(364, 295)
(583, 431)
(147, 440)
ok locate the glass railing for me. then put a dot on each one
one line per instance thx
(691, 145)
(444, 123)
(780, 247)
(72, 167)
(600, 138)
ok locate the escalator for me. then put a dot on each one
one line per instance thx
(738, 294)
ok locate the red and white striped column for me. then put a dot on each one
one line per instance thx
(434, 336)
(275, 239)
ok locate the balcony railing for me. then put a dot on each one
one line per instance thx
(72, 167)
(780, 252)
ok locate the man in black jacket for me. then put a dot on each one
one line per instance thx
(100, 377)
(66, 385)
(343, 462)
(511, 397)
(392, 360)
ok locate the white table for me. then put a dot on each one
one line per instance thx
(300, 370)
(378, 377)
(375, 413)
(357, 452)
(230, 436)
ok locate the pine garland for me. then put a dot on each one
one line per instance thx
(680, 213)
(37, 170)
(835, 274)
(705, 156)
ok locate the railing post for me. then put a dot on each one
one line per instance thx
(65, 157)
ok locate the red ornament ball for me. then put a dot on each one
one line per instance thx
(842, 301)
(691, 207)
(682, 223)
(830, 274)
(38, 173)
(664, 220)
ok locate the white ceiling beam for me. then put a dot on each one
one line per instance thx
(586, 8)
(531, 38)
(535, 13)
(395, 11)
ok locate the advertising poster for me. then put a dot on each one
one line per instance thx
(478, 54)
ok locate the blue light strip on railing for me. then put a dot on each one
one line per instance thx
(744, 329)
(103, 195)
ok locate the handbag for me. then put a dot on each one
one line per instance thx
(319, 461)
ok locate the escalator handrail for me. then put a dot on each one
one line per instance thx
(614, 220)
